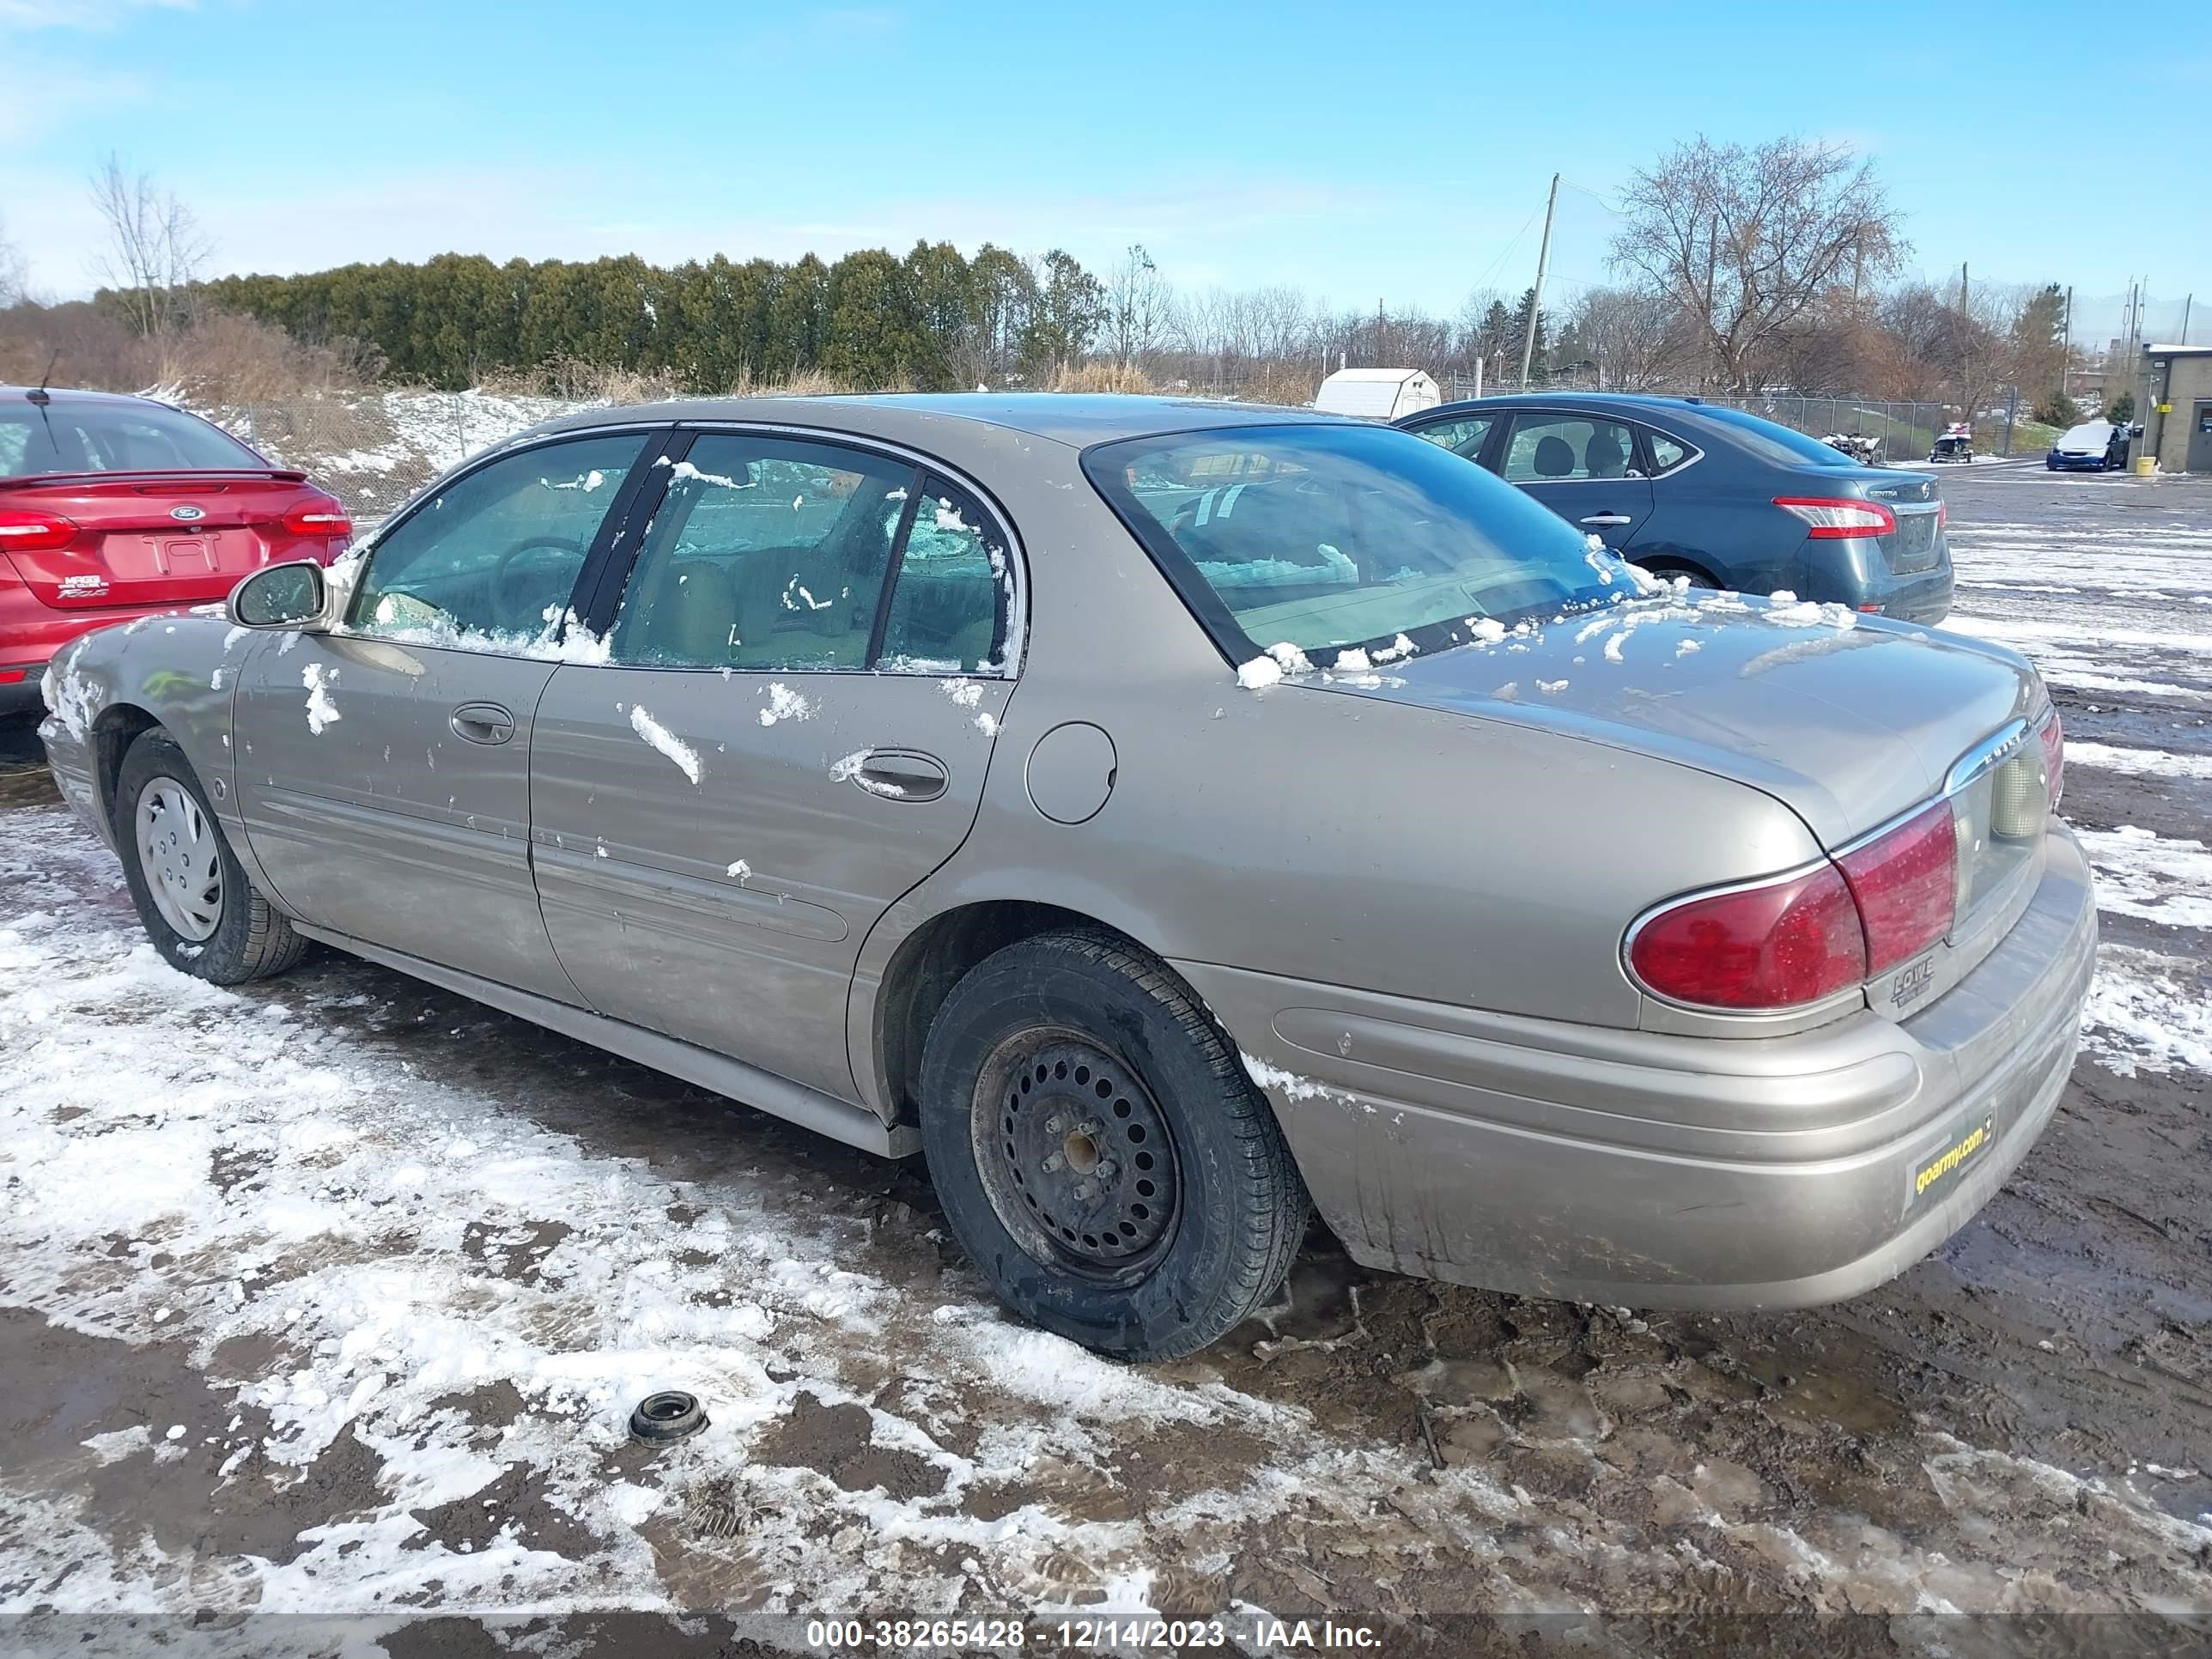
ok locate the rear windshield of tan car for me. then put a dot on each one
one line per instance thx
(1339, 538)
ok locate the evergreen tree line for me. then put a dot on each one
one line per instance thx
(933, 320)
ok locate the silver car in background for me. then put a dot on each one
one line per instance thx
(1164, 817)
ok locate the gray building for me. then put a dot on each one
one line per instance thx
(2173, 401)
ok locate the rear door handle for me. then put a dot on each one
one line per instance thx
(482, 722)
(901, 775)
(1608, 518)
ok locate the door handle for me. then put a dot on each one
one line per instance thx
(901, 775)
(1609, 517)
(482, 722)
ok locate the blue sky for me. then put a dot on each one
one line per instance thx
(1396, 153)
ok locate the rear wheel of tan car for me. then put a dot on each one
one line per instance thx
(1100, 1151)
(192, 896)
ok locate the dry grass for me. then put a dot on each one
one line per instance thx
(1102, 377)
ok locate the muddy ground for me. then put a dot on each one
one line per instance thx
(328, 1366)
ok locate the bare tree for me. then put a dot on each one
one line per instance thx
(1138, 304)
(155, 248)
(13, 269)
(1745, 239)
(1637, 336)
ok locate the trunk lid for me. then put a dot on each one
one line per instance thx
(1917, 499)
(160, 538)
(1847, 720)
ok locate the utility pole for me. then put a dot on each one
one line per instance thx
(1378, 334)
(2066, 362)
(2187, 301)
(1536, 302)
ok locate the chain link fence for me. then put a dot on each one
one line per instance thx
(375, 449)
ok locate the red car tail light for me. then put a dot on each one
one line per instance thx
(320, 515)
(34, 532)
(1779, 944)
(1906, 886)
(2053, 737)
(1834, 519)
(1942, 514)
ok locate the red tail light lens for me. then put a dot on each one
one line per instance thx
(1831, 520)
(1905, 885)
(1942, 514)
(34, 532)
(2053, 736)
(1776, 945)
(321, 516)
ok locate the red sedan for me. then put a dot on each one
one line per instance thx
(115, 507)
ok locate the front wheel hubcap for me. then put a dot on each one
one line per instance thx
(179, 860)
(1076, 1158)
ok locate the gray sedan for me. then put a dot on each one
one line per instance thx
(1167, 818)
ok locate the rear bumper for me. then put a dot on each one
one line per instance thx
(1641, 1169)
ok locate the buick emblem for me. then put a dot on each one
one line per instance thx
(188, 512)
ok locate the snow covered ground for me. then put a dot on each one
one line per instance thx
(333, 1296)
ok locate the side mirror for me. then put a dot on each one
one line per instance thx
(289, 595)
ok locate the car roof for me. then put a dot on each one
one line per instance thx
(1075, 419)
(1618, 402)
(71, 395)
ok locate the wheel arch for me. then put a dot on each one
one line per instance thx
(117, 727)
(889, 1027)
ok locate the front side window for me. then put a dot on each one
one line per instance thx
(1353, 536)
(1550, 448)
(493, 558)
(1465, 436)
(767, 552)
(949, 603)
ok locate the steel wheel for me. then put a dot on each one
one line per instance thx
(1075, 1157)
(179, 858)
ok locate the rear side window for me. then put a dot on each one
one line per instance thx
(949, 603)
(1666, 454)
(1551, 448)
(767, 552)
(66, 436)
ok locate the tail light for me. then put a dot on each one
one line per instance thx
(1774, 944)
(2052, 736)
(1831, 520)
(1942, 514)
(319, 515)
(1905, 885)
(34, 532)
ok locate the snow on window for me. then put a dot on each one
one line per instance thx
(586, 482)
(320, 681)
(685, 756)
(719, 480)
(1686, 647)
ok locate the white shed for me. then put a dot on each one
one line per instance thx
(1381, 394)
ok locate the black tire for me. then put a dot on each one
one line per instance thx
(1697, 579)
(1223, 1193)
(252, 940)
